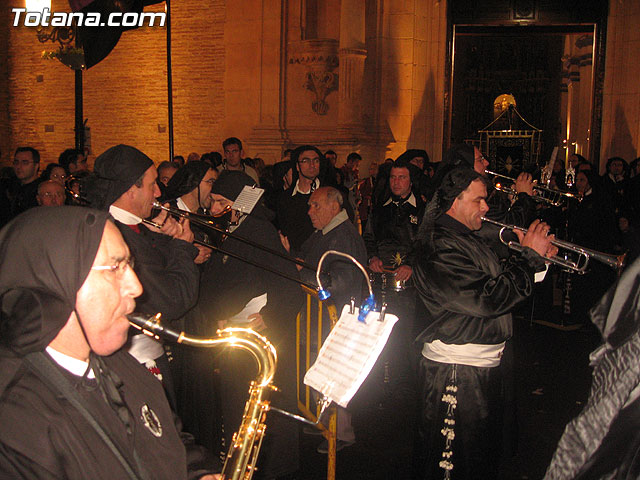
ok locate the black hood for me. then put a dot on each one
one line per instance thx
(458, 156)
(185, 180)
(47, 253)
(115, 171)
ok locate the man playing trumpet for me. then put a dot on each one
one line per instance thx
(469, 296)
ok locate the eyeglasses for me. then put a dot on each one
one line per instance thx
(304, 161)
(118, 268)
(24, 163)
(55, 175)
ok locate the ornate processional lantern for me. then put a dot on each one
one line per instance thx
(509, 142)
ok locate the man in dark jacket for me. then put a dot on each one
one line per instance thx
(333, 231)
(468, 295)
(389, 236)
(73, 402)
(19, 194)
(291, 206)
(229, 284)
(125, 185)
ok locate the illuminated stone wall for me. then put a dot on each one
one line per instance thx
(239, 69)
(621, 99)
(125, 96)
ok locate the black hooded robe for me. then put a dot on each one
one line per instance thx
(468, 295)
(43, 435)
(227, 285)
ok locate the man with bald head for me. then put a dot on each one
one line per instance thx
(334, 231)
(50, 194)
(339, 275)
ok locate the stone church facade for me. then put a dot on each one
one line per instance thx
(372, 76)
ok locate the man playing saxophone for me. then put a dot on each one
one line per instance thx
(73, 403)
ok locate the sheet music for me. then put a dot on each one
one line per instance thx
(253, 306)
(349, 354)
(247, 199)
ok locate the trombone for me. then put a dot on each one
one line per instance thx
(299, 281)
(579, 265)
(544, 194)
(208, 222)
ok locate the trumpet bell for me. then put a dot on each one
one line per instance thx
(572, 257)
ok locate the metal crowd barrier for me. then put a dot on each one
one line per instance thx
(308, 344)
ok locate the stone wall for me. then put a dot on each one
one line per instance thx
(621, 99)
(413, 68)
(125, 96)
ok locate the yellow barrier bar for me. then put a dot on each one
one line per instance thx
(304, 405)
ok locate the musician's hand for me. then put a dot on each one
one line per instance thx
(524, 183)
(204, 254)
(285, 243)
(375, 265)
(211, 476)
(185, 232)
(537, 238)
(169, 225)
(403, 273)
(256, 323)
(166, 222)
(552, 251)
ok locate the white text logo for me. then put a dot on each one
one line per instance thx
(45, 18)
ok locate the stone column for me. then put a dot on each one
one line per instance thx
(352, 54)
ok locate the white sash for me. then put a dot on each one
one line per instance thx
(473, 354)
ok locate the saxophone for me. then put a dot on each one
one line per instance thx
(243, 453)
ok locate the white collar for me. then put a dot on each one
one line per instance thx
(182, 205)
(411, 201)
(123, 216)
(314, 186)
(74, 366)
(340, 218)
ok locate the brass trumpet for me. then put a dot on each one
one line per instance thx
(243, 453)
(584, 254)
(543, 194)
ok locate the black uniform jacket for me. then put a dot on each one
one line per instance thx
(467, 292)
(44, 437)
(390, 230)
(228, 283)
